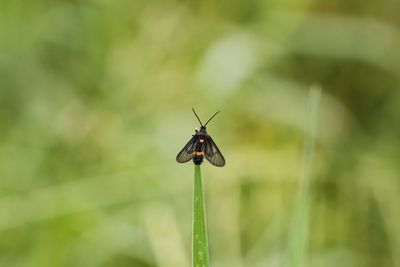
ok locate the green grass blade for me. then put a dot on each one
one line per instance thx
(200, 256)
(298, 239)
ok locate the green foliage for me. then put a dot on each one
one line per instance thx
(95, 102)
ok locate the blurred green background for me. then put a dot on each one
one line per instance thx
(95, 103)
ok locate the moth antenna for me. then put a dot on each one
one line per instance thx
(212, 118)
(197, 117)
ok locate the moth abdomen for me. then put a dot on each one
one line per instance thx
(198, 157)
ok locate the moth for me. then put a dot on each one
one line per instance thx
(201, 145)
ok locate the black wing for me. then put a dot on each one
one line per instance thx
(186, 153)
(212, 153)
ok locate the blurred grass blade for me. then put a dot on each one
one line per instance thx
(200, 242)
(298, 239)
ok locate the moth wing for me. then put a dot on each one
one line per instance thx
(212, 153)
(186, 153)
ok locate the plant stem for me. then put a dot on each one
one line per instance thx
(200, 255)
(298, 239)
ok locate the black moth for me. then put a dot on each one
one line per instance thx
(201, 145)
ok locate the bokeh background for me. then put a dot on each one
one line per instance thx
(95, 103)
